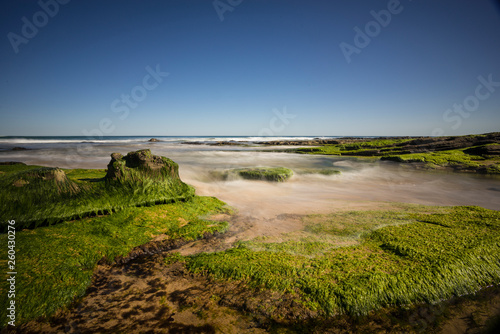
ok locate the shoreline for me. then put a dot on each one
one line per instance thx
(479, 153)
(296, 228)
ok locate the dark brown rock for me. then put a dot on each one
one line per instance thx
(226, 143)
(12, 163)
(487, 150)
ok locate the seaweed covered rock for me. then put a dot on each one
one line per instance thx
(42, 196)
(275, 174)
(47, 178)
(320, 171)
(140, 164)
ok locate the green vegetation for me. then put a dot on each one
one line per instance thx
(5, 169)
(84, 175)
(276, 174)
(458, 153)
(457, 159)
(340, 263)
(361, 147)
(44, 196)
(55, 263)
(421, 254)
(322, 171)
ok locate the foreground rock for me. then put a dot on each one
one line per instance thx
(35, 196)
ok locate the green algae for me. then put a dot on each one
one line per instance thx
(273, 174)
(55, 263)
(35, 196)
(427, 255)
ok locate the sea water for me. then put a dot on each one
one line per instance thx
(361, 182)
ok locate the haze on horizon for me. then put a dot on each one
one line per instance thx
(242, 67)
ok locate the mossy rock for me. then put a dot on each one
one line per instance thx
(47, 178)
(321, 171)
(140, 164)
(44, 196)
(275, 174)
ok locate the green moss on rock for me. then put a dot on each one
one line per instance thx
(45, 196)
(275, 174)
(278, 174)
(321, 171)
(140, 164)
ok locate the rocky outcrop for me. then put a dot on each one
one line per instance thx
(140, 164)
(449, 143)
(45, 174)
(414, 145)
(46, 177)
(312, 142)
(486, 150)
(12, 163)
(228, 143)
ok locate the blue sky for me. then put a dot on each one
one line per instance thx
(233, 76)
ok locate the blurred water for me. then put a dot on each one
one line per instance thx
(361, 181)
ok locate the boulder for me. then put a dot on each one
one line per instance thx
(154, 140)
(140, 164)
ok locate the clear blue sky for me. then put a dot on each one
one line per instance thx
(225, 77)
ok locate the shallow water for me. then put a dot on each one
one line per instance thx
(360, 181)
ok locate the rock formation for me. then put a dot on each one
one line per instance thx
(141, 163)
